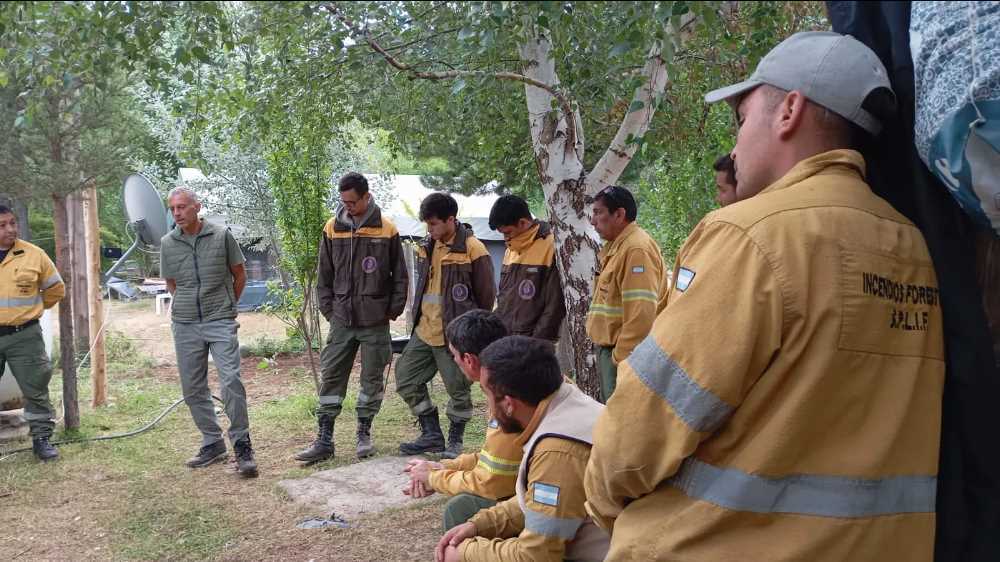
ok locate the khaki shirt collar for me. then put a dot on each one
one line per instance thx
(839, 162)
(610, 248)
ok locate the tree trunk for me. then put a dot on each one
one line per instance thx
(67, 349)
(78, 265)
(98, 360)
(557, 141)
(307, 332)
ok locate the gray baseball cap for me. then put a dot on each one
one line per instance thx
(833, 70)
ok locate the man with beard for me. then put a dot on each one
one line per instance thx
(361, 285)
(546, 520)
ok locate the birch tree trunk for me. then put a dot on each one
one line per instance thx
(558, 146)
(557, 141)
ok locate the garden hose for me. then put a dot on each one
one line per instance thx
(133, 433)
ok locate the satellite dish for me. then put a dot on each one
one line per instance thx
(146, 215)
(145, 210)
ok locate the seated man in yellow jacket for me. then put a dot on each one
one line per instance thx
(476, 480)
(629, 284)
(787, 404)
(553, 419)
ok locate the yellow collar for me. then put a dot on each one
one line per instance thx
(843, 162)
(523, 241)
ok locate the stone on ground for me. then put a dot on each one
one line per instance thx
(354, 490)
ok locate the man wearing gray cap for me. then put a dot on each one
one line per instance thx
(787, 402)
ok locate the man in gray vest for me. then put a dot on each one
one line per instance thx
(203, 267)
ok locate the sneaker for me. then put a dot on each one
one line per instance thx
(208, 454)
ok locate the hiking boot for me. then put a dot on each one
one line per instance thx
(365, 446)
(431, 439)
(245, 464)
(456, 434)
(43, 450)
(208, 454)
(322, 448)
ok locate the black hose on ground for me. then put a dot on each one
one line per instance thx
(133, 433)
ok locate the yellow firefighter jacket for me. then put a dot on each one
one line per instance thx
(626, 291)
(787, 404)
(490, 473)
(29, 283)
(546, 521)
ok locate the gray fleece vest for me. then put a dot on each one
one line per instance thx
(204, 282)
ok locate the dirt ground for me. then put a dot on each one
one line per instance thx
(133, 499)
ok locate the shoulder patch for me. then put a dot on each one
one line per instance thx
(545, 494)
(639, 269)
(684, 278)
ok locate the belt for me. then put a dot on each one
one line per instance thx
(8, 330)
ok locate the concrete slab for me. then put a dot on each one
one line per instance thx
(354, 490)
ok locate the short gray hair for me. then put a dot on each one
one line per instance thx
(183, 189)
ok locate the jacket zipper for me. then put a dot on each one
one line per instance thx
(197, 276)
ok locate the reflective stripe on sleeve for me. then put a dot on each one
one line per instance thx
(496, 465)
(805, 494)
(700, 409)
(639, 295)
(51, 281)
(602, 310)
(542, 524)
(431, 299)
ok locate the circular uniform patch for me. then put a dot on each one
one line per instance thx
(526, 290)
(369, 264)
(460, 292)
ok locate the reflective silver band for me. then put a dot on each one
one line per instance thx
(51, 281)
(698, 407)
(33, 416)
(542, 524)
(806, 494)
(431, 299)
(332, 400)
(16, 302)
(365, 399)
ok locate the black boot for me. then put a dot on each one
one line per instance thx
(245, 463)
(431, 439)
(456, 434)
(322, 448)
(365, 446)
(208, 454)
(43, 450)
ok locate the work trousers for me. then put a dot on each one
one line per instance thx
(608, 370)
(193, 341)
(337, 360)
(462, 507)
(25, 352)
(417, 366)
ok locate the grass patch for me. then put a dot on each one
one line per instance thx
(184, 529)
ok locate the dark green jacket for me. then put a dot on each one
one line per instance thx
(201, 272)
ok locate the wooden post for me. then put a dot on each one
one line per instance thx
(67, 349)
(80, 293)
(98, 362)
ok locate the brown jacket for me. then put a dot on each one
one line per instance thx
(466, 277)
(362, 277)
(531, 302)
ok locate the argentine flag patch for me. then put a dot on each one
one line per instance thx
(546, 494)
(684, 278)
